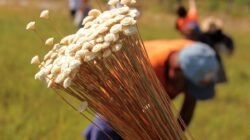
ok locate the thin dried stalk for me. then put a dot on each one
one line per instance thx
(124, 89)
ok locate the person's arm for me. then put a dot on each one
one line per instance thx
(192, 5)
(187, 110)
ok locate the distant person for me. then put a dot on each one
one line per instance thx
(213, 35)
(183, 67)
(79, 10)
(74, 7)
(187, 22)
(85, 7)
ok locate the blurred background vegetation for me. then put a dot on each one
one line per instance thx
(28, 110)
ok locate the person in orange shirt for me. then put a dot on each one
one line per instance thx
(183, 67)
(187, 22)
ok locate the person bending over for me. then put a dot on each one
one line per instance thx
(183, 67)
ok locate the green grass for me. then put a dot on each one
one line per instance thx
(28, 110)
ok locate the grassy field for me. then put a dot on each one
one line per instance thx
(30, 111)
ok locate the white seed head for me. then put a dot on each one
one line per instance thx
(94, 26)
(81, 40)
(54, 55)
(69, 52)
(75, 47)
(56, 47)
(128, 2)
(65, 65)
(131, 30)
(83, 106)
(125, 2)
(109, 37)
(40, 76)
(134, 13)
(61, 52)
(109, 22)
(49, 61)
(94, 12)
(105, 16)
(113, 2)
(86, 45)
(74, 64)
(37, 75)
(97, 48)
(87, 19)
(116, 28)
(133, 2)
(67, 82)
(118, 18)
(76, 38)
(88, 25)
(50, 76)
(49, 67)
(123, 10)
(49, 41)
(93, 36)
(46, 71)
(31, 25)
(82, 32)
(59, 61)
(99, 39)
(67, 72)
(80, 54)
(44, 14)
(105, 45)
(56, 69)
(107, 53)
(101, 29)
(67, 40)
(60, 78)
(128, 21)
(85, 51)
(89, 33)
(35, 60)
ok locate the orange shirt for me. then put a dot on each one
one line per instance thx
(159, 51)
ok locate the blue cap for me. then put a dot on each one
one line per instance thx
(199, 63)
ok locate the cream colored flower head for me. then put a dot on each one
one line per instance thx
(113, 2)
(49, 41)
(100, 38)
(44, 14)
(31, 25)
(84, 105)
(35, 60)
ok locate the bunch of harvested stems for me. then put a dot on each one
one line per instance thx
(105, 65)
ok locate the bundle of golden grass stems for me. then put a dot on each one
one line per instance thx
(105, 66)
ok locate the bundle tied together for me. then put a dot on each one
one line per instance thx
(105, 64)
